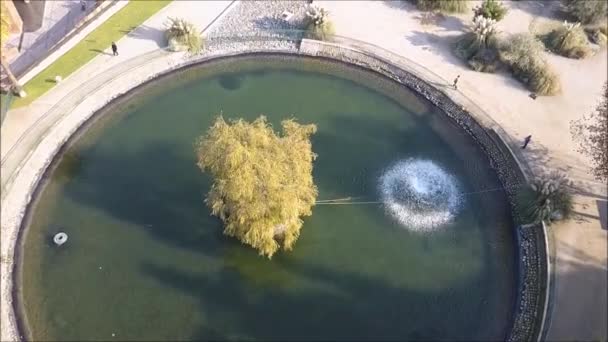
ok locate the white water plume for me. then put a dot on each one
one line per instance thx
(419, 194)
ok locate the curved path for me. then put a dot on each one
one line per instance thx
(580, 245)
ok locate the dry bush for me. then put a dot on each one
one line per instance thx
(569, 40)
(523, 54)
(587, 11)
(491, 9)
(183, 35)
(444, 6)
(546, 199)
(597, 35)
(479, 47)
(319, 25)
(591, 134)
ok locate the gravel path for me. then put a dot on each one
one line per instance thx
(256, 19)
(261, 16)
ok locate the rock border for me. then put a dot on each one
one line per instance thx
(17, 201)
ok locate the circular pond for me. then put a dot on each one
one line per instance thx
(145, 260)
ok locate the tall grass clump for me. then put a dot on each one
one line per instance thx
(319, 25)
(491, 9)
(587, 11)
(183, 35)
(569, 40)
(546, 199)
(479, 46)
(443, 6)
(523, 54)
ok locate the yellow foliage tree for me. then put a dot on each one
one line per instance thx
(262, 181)
(5, 24)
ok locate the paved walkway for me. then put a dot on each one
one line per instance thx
(579, 308)
(59, 18)
(147, 37)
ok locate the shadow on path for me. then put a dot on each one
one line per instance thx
(145, 32)
(578, 310)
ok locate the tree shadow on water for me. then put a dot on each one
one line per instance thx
(156, 188)
(352, 307)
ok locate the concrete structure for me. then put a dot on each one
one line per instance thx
(15, 22)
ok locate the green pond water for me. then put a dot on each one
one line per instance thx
(146, 261)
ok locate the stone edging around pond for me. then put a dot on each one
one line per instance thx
(20, 190)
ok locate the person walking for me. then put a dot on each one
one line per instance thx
(114, 49)
(526, 141)
(83, 5)
(455, 85)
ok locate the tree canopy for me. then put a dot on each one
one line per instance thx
(262, 181)
(591, 132)
(4, 24)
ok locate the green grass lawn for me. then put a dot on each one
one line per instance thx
(121, 23)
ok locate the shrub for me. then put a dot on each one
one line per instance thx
(319, 25)
(444, 6)
(591, 134)
(478, 47)
(523, 54)
(468, 45)
(546, 199)
(486, 60)
(587, 11)
(491, 9)
(183, 35)
(569, 40)
(597, 35)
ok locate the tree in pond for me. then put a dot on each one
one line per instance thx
(262, 181)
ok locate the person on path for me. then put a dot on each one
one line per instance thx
(526, 141)
(455, 85)
(83, 5)
(114, 49)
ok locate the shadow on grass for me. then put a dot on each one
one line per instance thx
(127, 31)
(101, 52)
